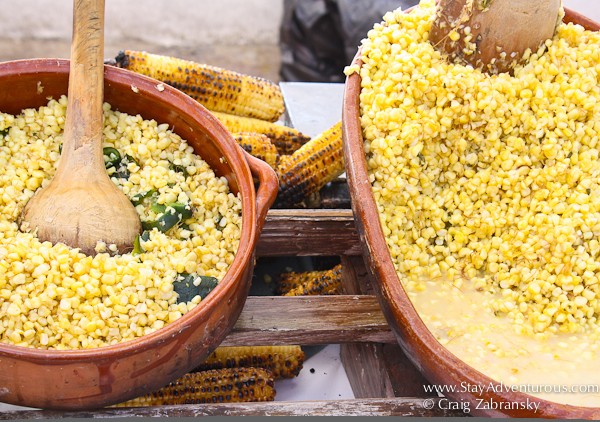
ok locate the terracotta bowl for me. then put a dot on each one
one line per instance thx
(437, 364)
(86, 379)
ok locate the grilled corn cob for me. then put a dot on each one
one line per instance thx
(286, 139)
(258, 145)
(311, 167)
(216, 88)
(281, 361)
(291, 280)
(227, 385)
(327, 282)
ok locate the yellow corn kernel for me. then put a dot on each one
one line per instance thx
(258, 145)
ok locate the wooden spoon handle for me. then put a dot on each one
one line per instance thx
(83, 128)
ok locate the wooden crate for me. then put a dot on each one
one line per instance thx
(383, 380)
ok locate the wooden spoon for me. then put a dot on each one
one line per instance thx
(81, 206)
(493, 35)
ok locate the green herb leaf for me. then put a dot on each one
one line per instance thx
(137, 246)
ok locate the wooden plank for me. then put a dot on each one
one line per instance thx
(376, 370)
(310, 232)
(310, 320)
(351, 277)
(405, 406)
(356, 277)
(363, 362)
(366, 370)
(405, 379)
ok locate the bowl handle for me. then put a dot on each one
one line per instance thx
(268, 186)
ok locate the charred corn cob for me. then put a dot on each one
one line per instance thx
(258, 145)
(281, 361)
(227, 385)
(216, 88)
(291, 280)
(311, 167)
(327, 282)
(286, 139)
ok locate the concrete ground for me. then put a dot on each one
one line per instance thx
(241, 36)
(257, 59)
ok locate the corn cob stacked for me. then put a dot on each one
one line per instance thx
(229, 375)
(311, 167)
(286, 139)
(243, 103)
(311, 283)
(216, 88)
(281, 361)
(227, 385)
(248, 107)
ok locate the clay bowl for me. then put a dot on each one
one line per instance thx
(437, 364)
(86, 379)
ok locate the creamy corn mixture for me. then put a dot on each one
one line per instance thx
(493, 179)
(53, 296)
(488, 191)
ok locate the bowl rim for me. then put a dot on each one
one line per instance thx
(411, 332)
(248, 235)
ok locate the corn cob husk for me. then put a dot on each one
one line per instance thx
(286, 139)
(311, 167)
(328, 282)
(281, 361)
(216, 88)
(258, 145)
(227, 385)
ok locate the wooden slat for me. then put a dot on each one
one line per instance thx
(372, 407)
(405, 378)
(310, 232)
(363, 362)
(310, 320)
(355, 277)
(366, 371)
(376, 370)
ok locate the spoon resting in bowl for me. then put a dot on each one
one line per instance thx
(493, 35)
(81, 205)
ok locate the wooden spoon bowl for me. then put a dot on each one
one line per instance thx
(493, 35)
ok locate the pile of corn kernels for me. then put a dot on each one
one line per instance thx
(53, 296)
(491, 179)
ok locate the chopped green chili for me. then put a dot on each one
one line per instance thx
(188, 286)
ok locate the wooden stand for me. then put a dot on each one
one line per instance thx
(384, 381)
